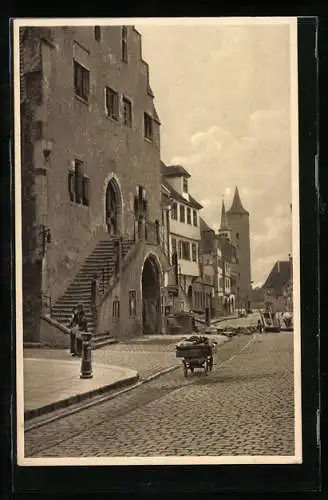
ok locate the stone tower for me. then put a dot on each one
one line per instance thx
(238, 221)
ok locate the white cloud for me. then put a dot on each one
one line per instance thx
(218, 162)
(223, 96)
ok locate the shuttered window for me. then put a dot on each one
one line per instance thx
(79, 184)
(112, 103)
(86, 191)
(71, 185)
(81, 81)
(79, 173)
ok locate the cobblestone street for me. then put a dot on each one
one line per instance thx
(244, 407)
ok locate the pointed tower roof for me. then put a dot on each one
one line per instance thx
(237, 207)
(224, 226)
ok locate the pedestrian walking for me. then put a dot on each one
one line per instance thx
(78, 325)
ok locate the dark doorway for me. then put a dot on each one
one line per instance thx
(190, 296)
(151, 297)
(113, 208)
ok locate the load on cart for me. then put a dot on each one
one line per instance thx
(196, 352)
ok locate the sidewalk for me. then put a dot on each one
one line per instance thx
(52, 377)
(51, 384)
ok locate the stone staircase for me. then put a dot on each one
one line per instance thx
(102, 263)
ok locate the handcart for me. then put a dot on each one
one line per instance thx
(196, 352)
(268, 322)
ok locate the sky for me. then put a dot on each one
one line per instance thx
(223, 98)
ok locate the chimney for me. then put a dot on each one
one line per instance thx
(278, 266)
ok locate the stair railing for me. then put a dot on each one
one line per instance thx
(105, 277)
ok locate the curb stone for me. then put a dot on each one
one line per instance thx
(64, 403)
(137, 382)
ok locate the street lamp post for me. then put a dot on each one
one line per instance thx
(86, 361)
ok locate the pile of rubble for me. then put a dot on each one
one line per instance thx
(231, 331)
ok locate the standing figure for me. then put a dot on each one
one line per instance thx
(78, 324)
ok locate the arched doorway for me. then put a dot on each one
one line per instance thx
(113, 208)
(151, 296)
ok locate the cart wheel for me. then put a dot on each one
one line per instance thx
(185, 369)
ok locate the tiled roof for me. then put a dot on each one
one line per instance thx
(237, 207)
(207, 237)
(279, 276)
(174, 171)
(203, 225)
(178, 197)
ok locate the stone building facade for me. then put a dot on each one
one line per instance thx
(91, 177)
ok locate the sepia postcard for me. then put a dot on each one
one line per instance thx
(157, 241)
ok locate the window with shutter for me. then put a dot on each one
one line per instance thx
(148, 126)
(127, 112)
(79, 174)
(86, 191)
(71, 185)
(81, 81)
(112, 103)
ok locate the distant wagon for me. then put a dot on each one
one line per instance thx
(268, 322)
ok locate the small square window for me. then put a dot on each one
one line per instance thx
(112, 103)
(127, 112)
(81, 81)
(148, 126)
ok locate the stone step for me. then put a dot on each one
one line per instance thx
(77, 292)
(102, 262)
(89, 271)
(66, 315)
